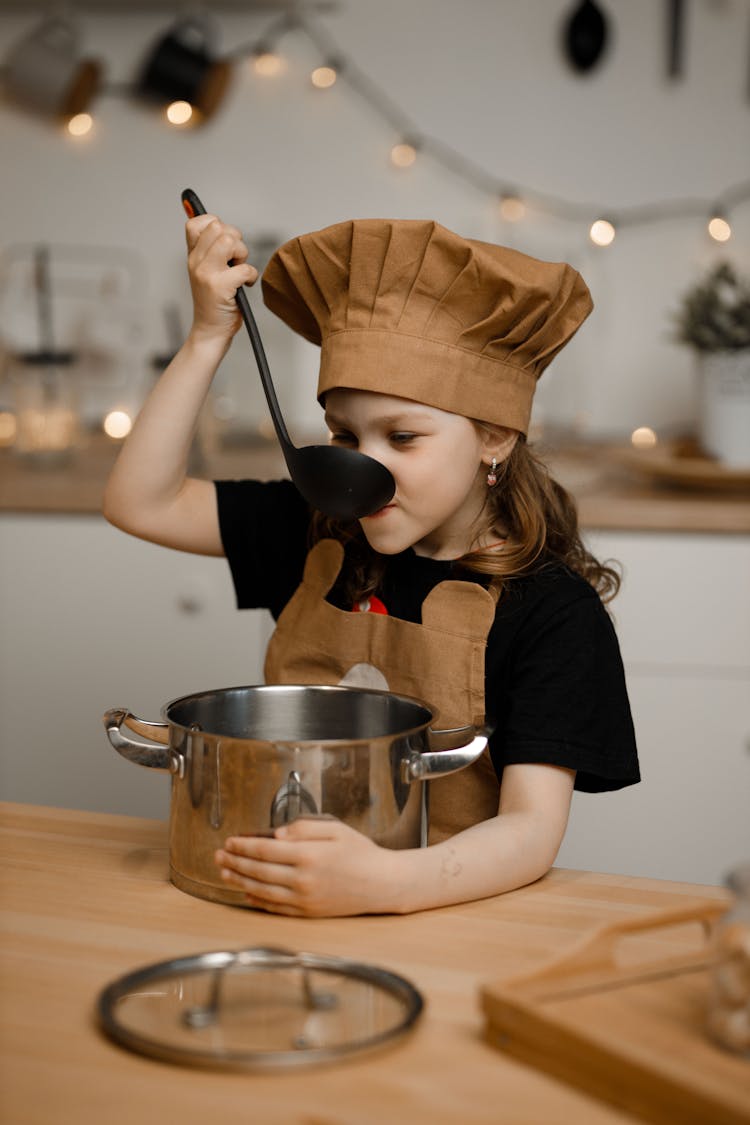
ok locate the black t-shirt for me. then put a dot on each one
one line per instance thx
(554, 683)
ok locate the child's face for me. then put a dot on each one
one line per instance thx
(437, 461)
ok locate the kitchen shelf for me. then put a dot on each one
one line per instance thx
(609, 496)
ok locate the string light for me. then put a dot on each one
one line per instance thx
(512, 209)
(403, 155)
(117, 424)
(719, 228)
(602, 232)
(643, 438)
(515, 201)
(179, 113)
(80, 124)
(267, 63)
(323, 77)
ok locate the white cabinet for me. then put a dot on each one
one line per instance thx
(683, 619)
(91, 619)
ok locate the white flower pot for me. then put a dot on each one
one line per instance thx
(724, 406)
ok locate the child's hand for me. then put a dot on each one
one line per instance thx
(212, 245)
(317, 867)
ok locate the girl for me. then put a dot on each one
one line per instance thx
(471, 589)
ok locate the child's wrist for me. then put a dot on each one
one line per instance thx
(207, 344)
(398, 879)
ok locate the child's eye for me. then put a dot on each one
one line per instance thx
(343, 437)
(402, 437)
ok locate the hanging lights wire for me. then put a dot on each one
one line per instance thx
(515, 201)
(186, 76)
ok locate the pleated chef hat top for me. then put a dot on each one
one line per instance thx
(408, 308)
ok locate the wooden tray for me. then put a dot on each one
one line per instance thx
(631, 1034)
(685, 464)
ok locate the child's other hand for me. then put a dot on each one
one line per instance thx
(212, 245)
(315, 866)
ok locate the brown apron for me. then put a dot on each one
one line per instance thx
(440, 661)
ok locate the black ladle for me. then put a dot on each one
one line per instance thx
(338, 482)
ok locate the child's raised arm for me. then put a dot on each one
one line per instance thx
(149, 493)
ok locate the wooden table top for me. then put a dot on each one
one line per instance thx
(86, 898)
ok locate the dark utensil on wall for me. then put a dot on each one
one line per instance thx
(47, 354)
(585, 36)
(339, 482)
(675, 37)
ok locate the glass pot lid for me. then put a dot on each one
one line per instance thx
(257, 1009)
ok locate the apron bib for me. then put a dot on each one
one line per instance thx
(440, 661)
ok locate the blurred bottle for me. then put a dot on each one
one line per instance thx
(729, 1003)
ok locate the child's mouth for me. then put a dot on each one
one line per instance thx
(380, 512)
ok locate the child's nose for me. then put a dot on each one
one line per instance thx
(378, 450)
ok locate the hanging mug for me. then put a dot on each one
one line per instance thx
(182, 67)
(45, 73)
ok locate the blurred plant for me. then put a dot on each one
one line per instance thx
(715, 312)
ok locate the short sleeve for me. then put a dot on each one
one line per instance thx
(264, 529)
(566, 701)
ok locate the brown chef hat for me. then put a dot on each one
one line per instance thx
(408, 308)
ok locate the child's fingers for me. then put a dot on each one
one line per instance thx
(194, 228)
(312, 828)
(218, 243)
(259, 871)
(217, 253)
(214, 239)
(242, 274)
(264, 849)
(213, 275)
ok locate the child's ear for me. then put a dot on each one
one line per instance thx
(499, 442)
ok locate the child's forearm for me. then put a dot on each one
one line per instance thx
(149, 493)
(487, 859)
(319, 866)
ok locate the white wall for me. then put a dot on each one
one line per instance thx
(487, 79)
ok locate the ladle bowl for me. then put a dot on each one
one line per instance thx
(340, 483)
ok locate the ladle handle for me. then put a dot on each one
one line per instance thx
(193, 206)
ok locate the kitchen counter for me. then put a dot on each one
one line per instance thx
(610, 496)
(86, 899)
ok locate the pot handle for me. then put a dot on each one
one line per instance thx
(156, 753)
(439, 763)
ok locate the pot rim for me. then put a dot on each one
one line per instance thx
(307, 743)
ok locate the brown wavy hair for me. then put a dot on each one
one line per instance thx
(535, 515)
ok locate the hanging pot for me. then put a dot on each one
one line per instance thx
(247, 759)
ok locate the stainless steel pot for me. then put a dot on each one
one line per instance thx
(247, 759)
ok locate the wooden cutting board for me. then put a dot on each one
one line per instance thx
(631, 1033)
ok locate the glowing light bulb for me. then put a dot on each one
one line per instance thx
(323, 77)
(268, 64)
(602, 232)
(512, 209)
(80, 124)
(643, 438)
(117, 424)
(403, 155)
(179, 113)
(719, 229)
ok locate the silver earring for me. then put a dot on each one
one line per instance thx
(492, 474)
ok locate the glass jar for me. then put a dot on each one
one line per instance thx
(45, 398)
